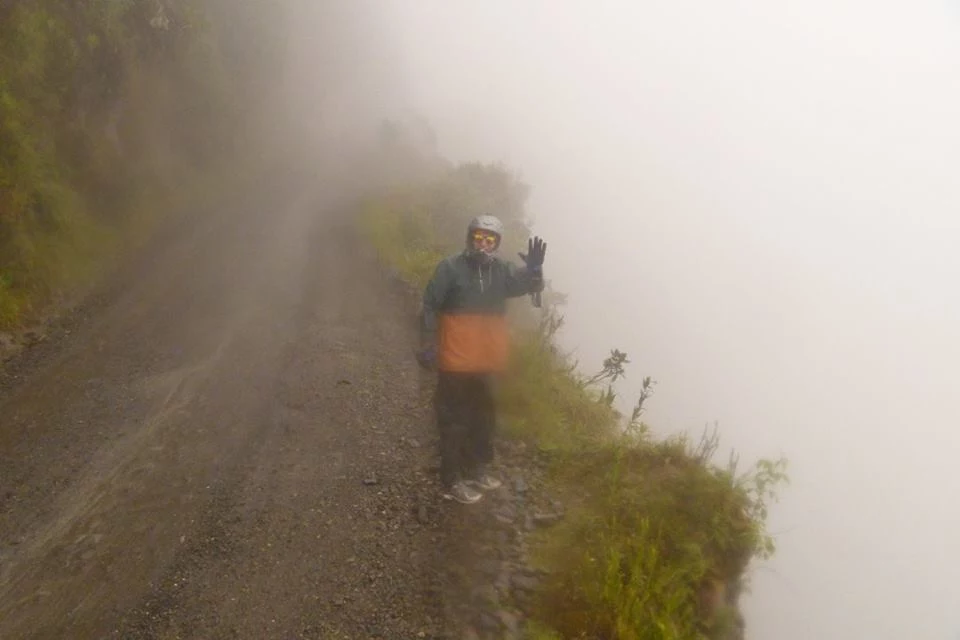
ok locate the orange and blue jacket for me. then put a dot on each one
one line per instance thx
(464, 312)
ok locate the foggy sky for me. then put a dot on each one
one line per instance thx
(758, 202)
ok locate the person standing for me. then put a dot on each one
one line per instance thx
(465, 339)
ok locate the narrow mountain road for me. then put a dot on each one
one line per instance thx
(231, 444)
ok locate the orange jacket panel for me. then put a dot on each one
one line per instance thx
(473, 342)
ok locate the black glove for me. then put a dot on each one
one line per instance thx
(536, 252)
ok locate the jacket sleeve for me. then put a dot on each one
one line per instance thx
(520, 281)
(433, 298)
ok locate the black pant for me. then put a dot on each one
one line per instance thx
(466, 418)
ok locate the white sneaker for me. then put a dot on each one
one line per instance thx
(462, 493)
(486, 482)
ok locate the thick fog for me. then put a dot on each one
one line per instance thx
(759, 202)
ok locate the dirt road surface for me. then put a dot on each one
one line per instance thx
(229, 443)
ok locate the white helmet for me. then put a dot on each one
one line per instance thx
(488, 223)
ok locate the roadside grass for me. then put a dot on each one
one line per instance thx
(657, 537)
(44, 264)
(47, 264)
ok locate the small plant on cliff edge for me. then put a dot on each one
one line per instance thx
(612, 370)
(636, 428)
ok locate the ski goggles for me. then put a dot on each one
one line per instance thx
(485, 239)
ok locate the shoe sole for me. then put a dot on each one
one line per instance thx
(485, 488)
(448, 496)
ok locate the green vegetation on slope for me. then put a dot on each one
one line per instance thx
(111, 111)
(658, 538)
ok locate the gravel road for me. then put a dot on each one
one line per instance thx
(228, 442)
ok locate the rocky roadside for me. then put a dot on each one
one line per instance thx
(496, 582)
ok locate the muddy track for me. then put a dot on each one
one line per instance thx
(232, 444)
